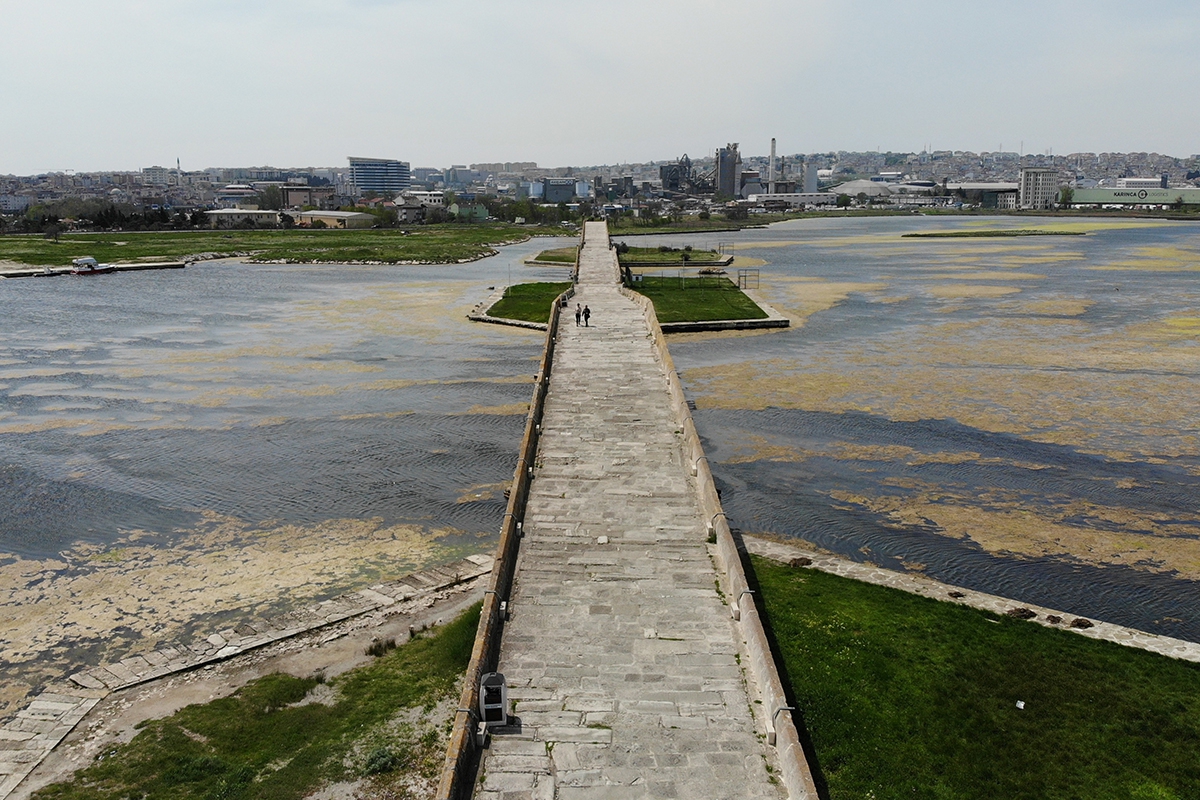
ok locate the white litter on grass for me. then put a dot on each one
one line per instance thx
(1021, 704)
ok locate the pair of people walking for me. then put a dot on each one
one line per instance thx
(584, 313)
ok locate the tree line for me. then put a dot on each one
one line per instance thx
(50, 218)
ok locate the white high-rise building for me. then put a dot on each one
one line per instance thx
(158, 176)
(1038, 187)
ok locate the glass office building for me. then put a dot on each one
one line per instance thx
(384, 176)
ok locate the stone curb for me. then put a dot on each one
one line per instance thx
(927, 587)
(479, 313)
(781, 730)
(37, 729)
(462, 750)
(725, 325)
(512, 323)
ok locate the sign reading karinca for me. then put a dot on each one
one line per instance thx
(1163, 197)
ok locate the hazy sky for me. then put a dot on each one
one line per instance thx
(124, 84)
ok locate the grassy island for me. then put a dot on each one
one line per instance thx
(432, 244)
(631, 226)
(990, 234)
(283, 737)
(528, 302)
(905, 696)
(559, 255)
(635, 256)
(664, 256)
(703, 298)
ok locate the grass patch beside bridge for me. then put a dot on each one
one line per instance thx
(559, 255)
(904, 696)
(681, 256)
(271, 740)
(631, 226)
(528, 302)
(702, 298)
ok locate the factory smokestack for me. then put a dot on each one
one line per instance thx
(771, 170)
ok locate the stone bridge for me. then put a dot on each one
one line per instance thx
(628, 674)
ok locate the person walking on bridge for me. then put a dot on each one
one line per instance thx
(578, 314)
(587, 315)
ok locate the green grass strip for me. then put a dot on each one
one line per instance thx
(426, 244)
(699, 299)
(629, 226)
(529, 302)
(559, 255)
(654, 255)
(989, 234)
(904, 696)
(258, 744)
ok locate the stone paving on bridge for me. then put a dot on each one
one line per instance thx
(620, 655)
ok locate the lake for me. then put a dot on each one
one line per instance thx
(181, 449)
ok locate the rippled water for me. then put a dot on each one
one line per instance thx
(181, 444)
(1018, 416)
(292, 393)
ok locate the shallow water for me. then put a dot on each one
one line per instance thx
(180, 446)
(1019, 415)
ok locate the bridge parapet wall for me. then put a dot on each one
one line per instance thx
(780, 727)
(458, 771)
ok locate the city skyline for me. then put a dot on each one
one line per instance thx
(302, 84)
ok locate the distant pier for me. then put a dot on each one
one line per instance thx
(54, 272)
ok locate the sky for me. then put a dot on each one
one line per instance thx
(94, 85)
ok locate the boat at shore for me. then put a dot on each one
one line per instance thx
(86, 265)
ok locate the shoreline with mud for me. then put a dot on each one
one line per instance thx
(70, 722)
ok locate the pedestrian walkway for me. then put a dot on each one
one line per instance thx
(621, 659)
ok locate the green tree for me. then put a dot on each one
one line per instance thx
(843, 201)
(1065, 196)
(270, 197)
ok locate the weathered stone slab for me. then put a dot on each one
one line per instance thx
(87, 681)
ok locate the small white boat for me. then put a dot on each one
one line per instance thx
(87, 265)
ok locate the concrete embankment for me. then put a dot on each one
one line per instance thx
(55, 272)
(635, 659)
(798, 555)
(28, 739)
